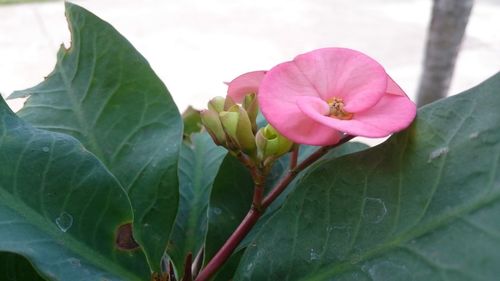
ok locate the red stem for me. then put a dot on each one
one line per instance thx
(188, 263)
(223, 254)
(258, 194)
(259, 179)
(295, 156)
(255, 212)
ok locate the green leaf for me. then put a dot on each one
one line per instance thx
(60, 207)
(230, 200)
(422, 206)
(198, 167)
(14, 267)
(192, 122)
(105, 94)
(232, 197)
(281, 167)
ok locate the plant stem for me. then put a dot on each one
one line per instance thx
(295, 156)
(188, 263)
(258, 194)
(227, 249)
(256, 211)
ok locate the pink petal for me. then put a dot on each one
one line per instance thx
(309, 132)
(313, 106)
(394, 113)
(343, 73)
(393, 88)
(293, 96)
(391, 114)
(289, 120)
(278, 105)
(284, 83)
(245, 84)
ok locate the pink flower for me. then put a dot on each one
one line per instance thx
(245, 84)
(322, 94)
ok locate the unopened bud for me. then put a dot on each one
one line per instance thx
(238, 128)
(270, 143)
(216, 104)
(228, 103)
(252, 108)
(212, 123)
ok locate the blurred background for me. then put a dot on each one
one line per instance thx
(194, 46)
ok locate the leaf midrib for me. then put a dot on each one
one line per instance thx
(412, 234)
(76, 105)
(201, 162)
(418, 230)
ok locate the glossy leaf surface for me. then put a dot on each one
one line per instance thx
(60, 207)
(105, 94)
(198, 166)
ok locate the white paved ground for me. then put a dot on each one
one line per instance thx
(195, 45)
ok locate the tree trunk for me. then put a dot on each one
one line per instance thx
(446, 30)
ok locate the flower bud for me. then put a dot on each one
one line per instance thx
(216, 104)
(252, 108)
(238, 128)
(212, 123)
(270, 143)
(228, 103)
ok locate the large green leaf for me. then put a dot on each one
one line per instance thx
(198, 166)
(14, 267)
(104, 93)
(425, 205)
(60, 207)
(282, 165)
(230, 200)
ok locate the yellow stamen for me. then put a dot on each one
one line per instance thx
(337, 109)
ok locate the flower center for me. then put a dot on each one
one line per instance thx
(337, 109)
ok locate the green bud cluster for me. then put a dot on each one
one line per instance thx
(238, 127)
(234, 126)
(271, 144)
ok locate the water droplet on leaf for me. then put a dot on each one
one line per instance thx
(75, 262)
(437, 153)
(64, 221)
(474, 135)
(249, 267)
(374, 210)
(387, 270)
(313, 255)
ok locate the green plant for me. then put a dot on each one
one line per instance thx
(99, 181)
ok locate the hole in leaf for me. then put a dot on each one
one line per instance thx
(125, 239)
